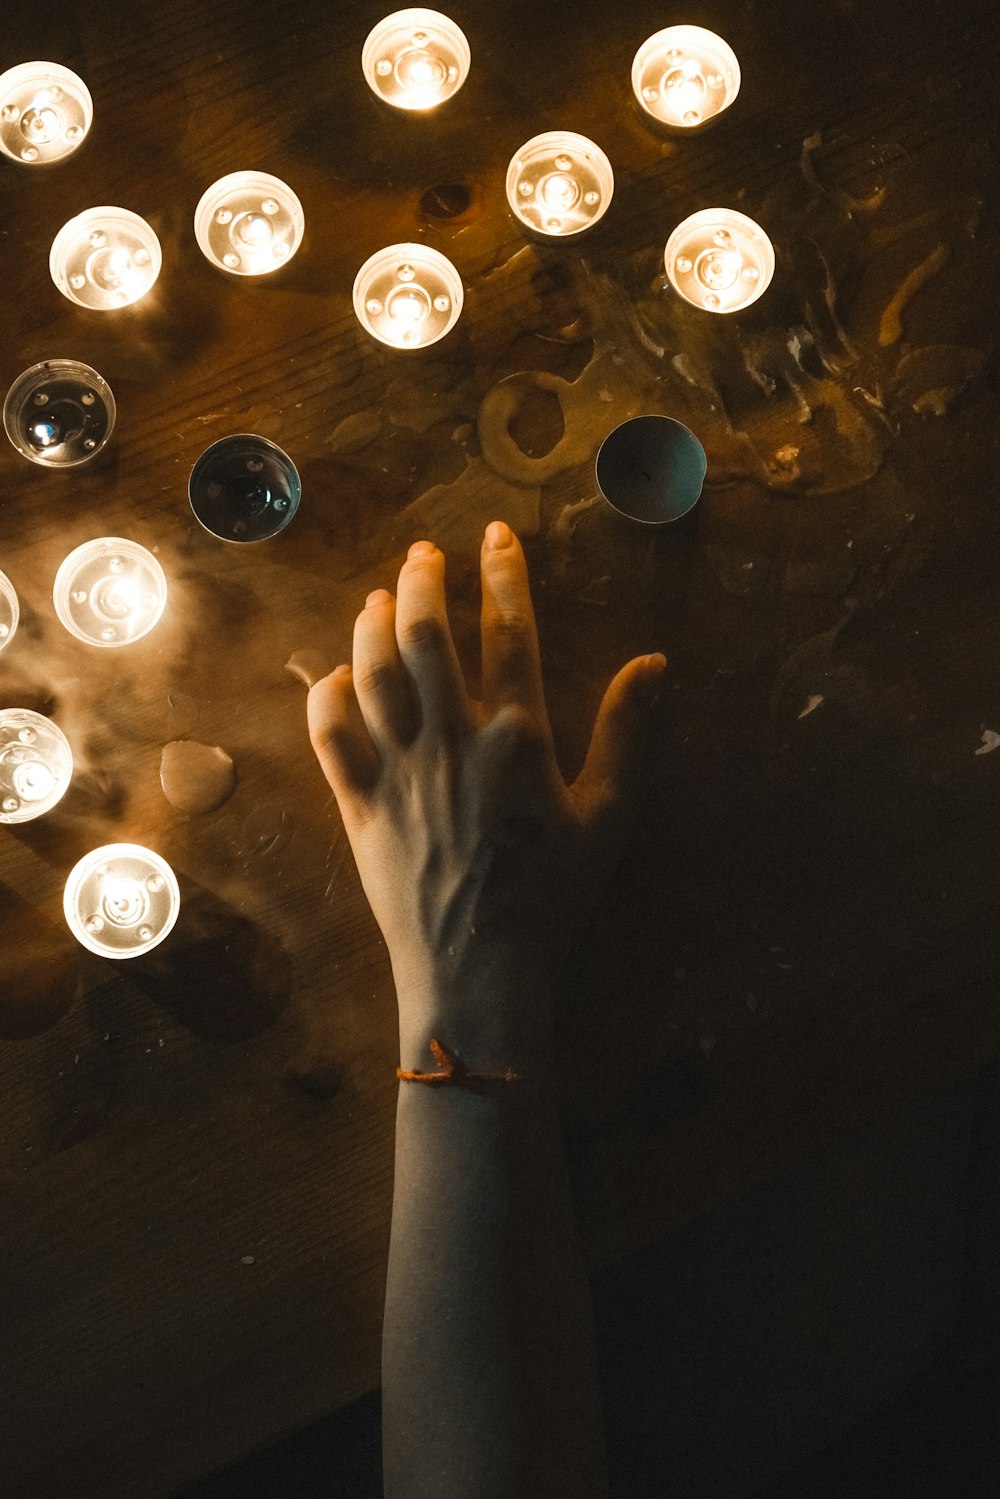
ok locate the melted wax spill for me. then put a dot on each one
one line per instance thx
(309, 667)
(196, 777)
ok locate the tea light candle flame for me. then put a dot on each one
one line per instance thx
(719, 260)
(684, 76)
(121, 900)
(415, 59)
(105, 258)
(36, 764)
(110, 592)
(559, 184)
(45, 112)
(408, 296)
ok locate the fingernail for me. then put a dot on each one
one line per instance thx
(377, 596)
(498, 535)
(421, 549)
(651, 681)
(341, 671)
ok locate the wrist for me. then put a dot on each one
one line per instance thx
(494, 1018)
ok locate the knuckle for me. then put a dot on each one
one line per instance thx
(373, 676)
(422, 632)
(516, 730)
(512, 627)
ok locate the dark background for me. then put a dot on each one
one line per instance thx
(780, 1037)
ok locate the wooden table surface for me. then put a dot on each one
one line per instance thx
(196, 1147)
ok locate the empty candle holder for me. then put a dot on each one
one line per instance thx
(36, 764)
(244, 488)
(121, 900)
(408, 296)
(684, 77)
(59, 413)
(415, 59)
(110, 592)
(719, 260)
(559, 184)
(249, 223)
(105, 258)
(651, 469)
(10, 611)
(45, 112)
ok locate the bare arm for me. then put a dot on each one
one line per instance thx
(481, 866)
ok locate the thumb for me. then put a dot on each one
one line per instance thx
(609, 778)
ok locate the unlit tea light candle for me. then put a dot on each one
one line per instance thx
(59, 413)
(651, 469)
(415, 59)
(408, 296)
(249, 223)
(45, 112)
(110, 592)
(121, 900)
(719, 260)
(105, 258)
(685, 76)
(36, 764)
(559, 184)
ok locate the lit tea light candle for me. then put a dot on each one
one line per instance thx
(121, 900)
(408, 296)
(719, 259)
(36, 764)
(559, 184)
(10, 611)
(59, 413)
(684, 76)
(244, 488)
(105, 258)
(249, 223)
(415, 59)
(110, 592)
(45, 112)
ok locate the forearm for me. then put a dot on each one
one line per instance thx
(489, 1376)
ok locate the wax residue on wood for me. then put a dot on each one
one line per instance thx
(891, 327)
(196, 777)
(308, 666)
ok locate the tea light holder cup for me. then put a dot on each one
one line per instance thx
(36, 764)
(684, 78)
(249, 223)
(415, 59)
(408, 296)
(110, 592)
(45, 113)
(10, 611)
(105, 258)
(651, 469)
(719, 260)
(59, 413)
(244, 488)
(121, 900)
(559, 185)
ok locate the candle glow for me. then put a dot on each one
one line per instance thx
(110, 592)
(719, 260)
(105, 258)
(559, 184)
(45, 112)
(684, 76)
(249, 223)
(121, 900)
(10, 611)
(408, 296)
(415, 59)
(36, 764)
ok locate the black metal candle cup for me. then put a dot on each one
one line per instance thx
(651, 469)
(244, 488)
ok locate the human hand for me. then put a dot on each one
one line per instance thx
(481, 865)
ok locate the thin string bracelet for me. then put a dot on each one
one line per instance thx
(453, 1073)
